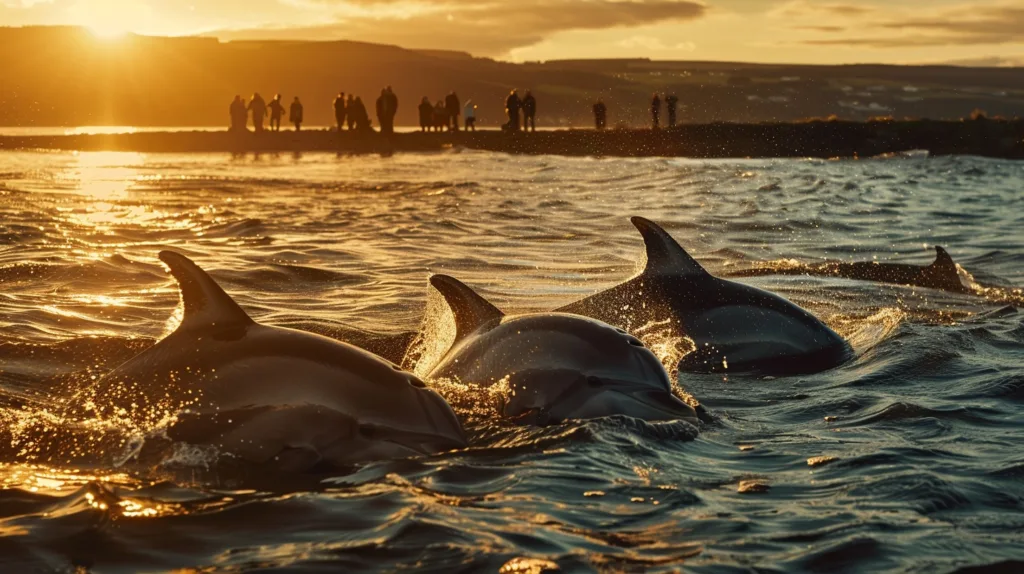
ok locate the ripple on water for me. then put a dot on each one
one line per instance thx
(907, 458)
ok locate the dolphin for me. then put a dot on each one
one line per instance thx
(735, 327)
(277, 396)
(941, 274)
(557, 366)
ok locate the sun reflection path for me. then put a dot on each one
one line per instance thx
(104, 175)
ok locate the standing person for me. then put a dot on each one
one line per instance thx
(351, 115)
(339, 110)
(671, 101)
(600, 114)
(426, 114)
(238, 114)
(258, 109)
(512, 105)
(452, 106)
(440, 116)
(392, 110)
(655, 110)
(529, 112)
(295, 114)
(382, 110)
(469, 115)
(276, 112)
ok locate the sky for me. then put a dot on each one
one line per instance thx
(984, 32)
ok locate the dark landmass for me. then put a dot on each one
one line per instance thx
(61, 76)
(823, 139)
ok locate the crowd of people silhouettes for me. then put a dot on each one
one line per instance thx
(260, 110)
(351, 113)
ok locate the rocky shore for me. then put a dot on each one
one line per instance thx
(822, 139)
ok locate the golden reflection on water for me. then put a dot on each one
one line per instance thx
(106, 175)
(99, 493)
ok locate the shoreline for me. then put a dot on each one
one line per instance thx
(821, 139)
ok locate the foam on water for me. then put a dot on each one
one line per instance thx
(906, 459)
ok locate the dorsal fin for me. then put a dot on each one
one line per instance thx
(470, 310)
(943, 260)
(664, 255)
(206, 304)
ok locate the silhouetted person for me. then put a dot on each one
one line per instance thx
(382, 110)
(426, 114)
(239, 115)
(440, 116)
(655, 110)
(529, 112)
(391, 110)
(339, 110)
(276, 112)
(671, 102)
(258, 109)
(351, 112)
(295, 114)
(469, 115)
(512, 106)
(362, 117)
(452, 107)
(600, 115)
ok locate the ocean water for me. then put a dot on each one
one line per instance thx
(907, 459)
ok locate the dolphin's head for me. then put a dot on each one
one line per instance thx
(398, 415)
(579, 368)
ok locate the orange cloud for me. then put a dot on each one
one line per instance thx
(485, 27)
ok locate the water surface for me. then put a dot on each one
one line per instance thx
(906, 459)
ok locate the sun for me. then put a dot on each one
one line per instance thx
(109, 19)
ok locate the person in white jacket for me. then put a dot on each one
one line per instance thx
(469, 115)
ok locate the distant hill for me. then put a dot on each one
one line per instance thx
(56, 76)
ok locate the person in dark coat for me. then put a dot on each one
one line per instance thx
(351, 119)
(276, 109)
(362, 116)
(671, 102)
(339, 110)
(295, 114)
(600, 115)
(512, 106)
(529, 112)
(452, 107)
(655, 110)
(239, 115)
(258, 109)
(426, 114)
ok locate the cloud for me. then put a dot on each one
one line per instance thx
(963, 25)
(978, 24)
(808, 9)
(483, 27)
(655, 44)
(823, 28)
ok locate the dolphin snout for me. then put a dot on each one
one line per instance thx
(667, 404)
(447, 429)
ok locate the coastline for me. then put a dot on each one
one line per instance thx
(822, 139)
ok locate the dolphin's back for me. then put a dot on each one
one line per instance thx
(219, 364)
(733, 326)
